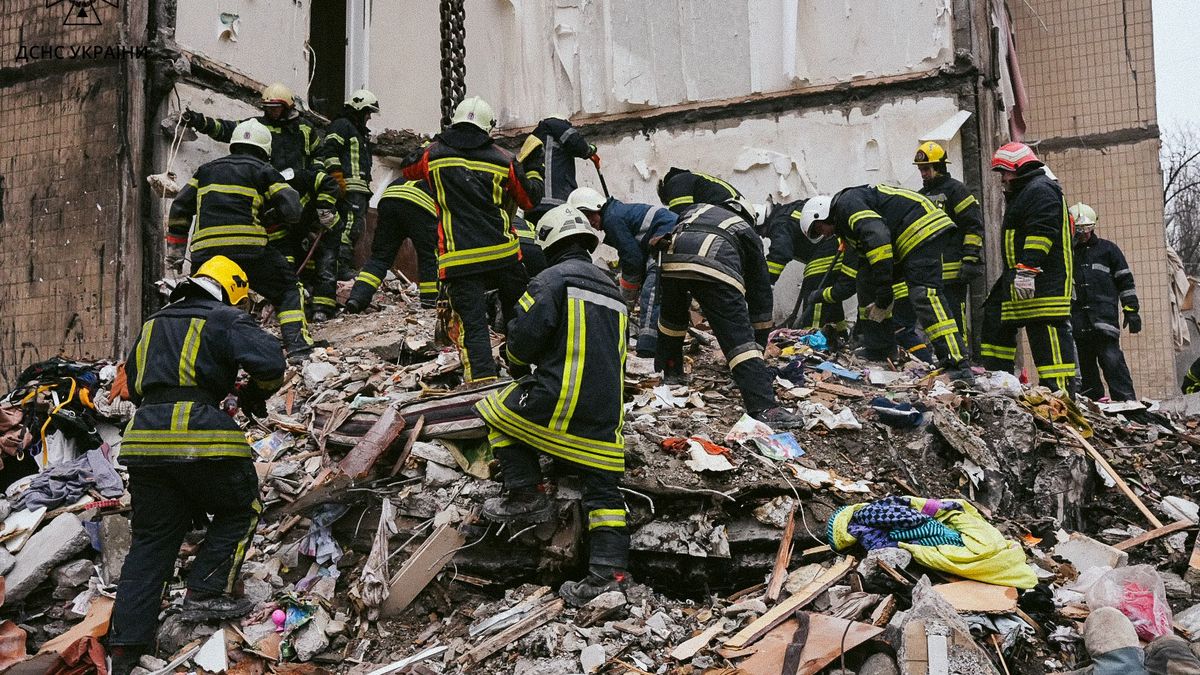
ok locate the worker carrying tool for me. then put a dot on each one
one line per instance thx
(476, 183)
(715, 257)
(1034, 292)
(346, 155)
(295, 141)
(313, 241)
(406, 211)
(901, 235)
(570, 328)
(186, 455)
(630, 229)
(1104, 290)
(241, 192)
(549, 155)
(962, 261)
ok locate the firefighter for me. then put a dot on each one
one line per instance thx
(1191, 379)
(475, 183)
(346, 155)
(1103, 287)
(533, 259)
(962, 261)
(549, 155)
(406, 211)
(570, 328)
(239, 191)
(317, 231)
(295, 142)
(630, 228)
(715, 257)
(901, 235)
(1034, 291)
(692, 187)
(186, 455)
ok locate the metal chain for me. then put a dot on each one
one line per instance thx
(453, 27)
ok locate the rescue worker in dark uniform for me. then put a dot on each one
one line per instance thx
(186, 455)
(549, 155)
(692, 187)
(239, 190)
(346, 155)
(406, 211)
(1103, 287)
(962, 261)
(715, 256)
(476, 184)
(901, 235)
(293, 140)
(570, 327)
(630, 229)
(1191, 379)
(1035, 290)
(319, 217)
(533, 259)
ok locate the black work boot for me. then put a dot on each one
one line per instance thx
(526, 504)
(600, 579)
(354, 306)
(959, 372)
(322, 315)
(779, 419)
(125, 658)
(213, 608)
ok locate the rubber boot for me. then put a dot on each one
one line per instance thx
(1113, 643)
(779, 419)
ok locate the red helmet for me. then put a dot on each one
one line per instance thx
(1013, 157)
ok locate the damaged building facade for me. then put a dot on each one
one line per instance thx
(782, 99)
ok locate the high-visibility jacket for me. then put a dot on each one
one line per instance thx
(317, 190)
(950, 195)
(182, 366)
(884, 224)
(1037, 234)
(787, 244)
(703, 189)
(630, 228)
(474, 183)
(549, 154)
(571, 325)
(347, 148)
(410, 204)
(228, 196)
(1191, 381)
(716, 244)
(294, 142)
(1104, 287)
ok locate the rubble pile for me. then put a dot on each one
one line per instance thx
(830, 549)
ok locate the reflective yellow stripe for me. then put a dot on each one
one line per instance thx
(568, 396)
(291, 316)
(1036, 243)
(998, 351)
(606, 518)
(879, 253)
(239, 554)
(680, 201)
(324, 301)
(899, 290)
(275, 188)
(732, 191)
(1010, 248)
(468, 164)
(525, 301)
(972, 240)
(855, 217)
(962, 206)
(143, 346)
(922, 229)
(478, 255)
(775, 268)
(596, 454)
(355, 171)
(743, 357)
(671, 332)
(369, 279)
(229, 241)
(184, 437)
(187, 356)
(412, 194)
(428, 286)
(818, 266)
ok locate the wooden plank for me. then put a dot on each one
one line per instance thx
(421, 568)
(826, 636)
(779, 613)
(1121, 484)
(792, 654)
(511, 634)
(408, 445)
(884, 612)
(976, 597)
(782, 558)
(685, 650)
(1153, 534)
(361, 459)
(839, 390)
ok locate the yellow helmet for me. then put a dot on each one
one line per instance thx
(278, 94)
(229, 275)
(930, 152)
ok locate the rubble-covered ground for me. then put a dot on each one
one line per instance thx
(372, 556)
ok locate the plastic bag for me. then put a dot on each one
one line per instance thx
(1139, 594)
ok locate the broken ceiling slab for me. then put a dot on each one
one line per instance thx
(947, 130)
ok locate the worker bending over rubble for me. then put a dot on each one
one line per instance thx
(317, 231)
(715, 256)
(346, 155)
(570, 329)
(630, 229)
(1034, 292)
(406, 211)
(186, 455)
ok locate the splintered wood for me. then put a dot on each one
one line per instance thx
(421, 568)
(779, 613)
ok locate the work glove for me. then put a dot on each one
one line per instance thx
(252, 401)
(878, 314)
(328, 218)
(815, 298)
(1025, 283)
(1133, 321)
(661, 244)
(175, 256)
(972, 268)
(341, 181)
(192, 119)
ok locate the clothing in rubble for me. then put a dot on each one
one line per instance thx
(1104, 291)
(549, 156)
(964, 247)
(346, 155)
(294, 142)
(1036, 236)
(406, 211)
(186, 455)
(238, 190)
(830, 269)
(630, 229)
(475, 182)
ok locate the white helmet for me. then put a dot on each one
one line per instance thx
(1083, 215)
(474, 110)
(586, 199)
(252, 133)
(363, 100)
(562, 222)
(814, 209)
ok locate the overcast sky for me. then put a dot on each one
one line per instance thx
(1176, 46)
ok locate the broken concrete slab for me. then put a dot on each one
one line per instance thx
(937, 640)
(312, 638)
(73, 574)
(116, 536)
(1086, 553)
(591, 658)
(55, 544)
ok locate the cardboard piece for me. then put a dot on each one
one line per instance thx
(976, 597)
(95, 624)
(687, 649)
(824, 644)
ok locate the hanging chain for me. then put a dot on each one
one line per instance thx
(454, 56)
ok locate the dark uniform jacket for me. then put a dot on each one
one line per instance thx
(184, 363)
(884, 224)
(294, 142)
(409, 204)
(1037, 234)
(630, 228)
(549, 155)
(691, 187)
(474, 183)
(715, 244)
(317, 190)
(228, 196)
(788, 244)
(571, 325)
(1191, 381)
(347, 148)
(951, 196)
(1103, 287)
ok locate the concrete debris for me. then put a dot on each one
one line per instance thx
(63, 538)
(116, 536)
(1085, 553)
(591, 658)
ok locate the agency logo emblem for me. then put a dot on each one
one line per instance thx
(82, 12)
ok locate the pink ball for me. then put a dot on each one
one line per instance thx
(279, 617)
